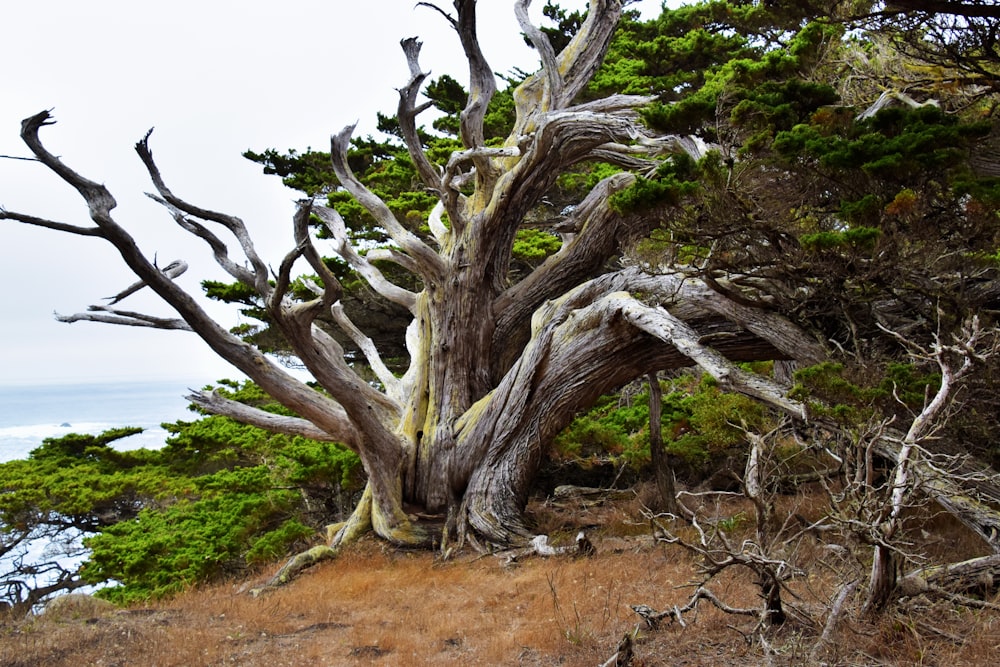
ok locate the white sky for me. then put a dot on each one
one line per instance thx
(215, 77)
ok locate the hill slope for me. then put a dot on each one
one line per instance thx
(377, 606)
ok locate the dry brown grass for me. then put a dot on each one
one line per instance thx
(376, 606)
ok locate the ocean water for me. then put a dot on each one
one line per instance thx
(29, 414)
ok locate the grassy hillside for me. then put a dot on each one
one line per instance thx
(377, 606)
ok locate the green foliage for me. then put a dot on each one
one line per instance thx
(584, 179)
(80, 481)
(699, 422)
(162, 551)
(896, 143)
(853, 396)
(862, 238)
(534, 245)
(674, 180)
(704, 58)
(218, 498)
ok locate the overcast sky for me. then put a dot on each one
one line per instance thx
(215, 78)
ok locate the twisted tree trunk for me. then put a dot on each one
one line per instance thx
(495, 369)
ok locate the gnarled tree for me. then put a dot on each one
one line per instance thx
(496, 367)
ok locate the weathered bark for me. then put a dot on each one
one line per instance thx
(658, 457)
(978, 576)
(496, 369)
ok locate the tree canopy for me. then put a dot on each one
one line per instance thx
(731, 182)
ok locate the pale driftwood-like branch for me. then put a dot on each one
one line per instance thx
(367, 347)
(539, 546)
(888, 97)
(454, 180)
(98, 198)
(234, 224)
(565, 138)
(431, 266)
(440, 232)
(550, 67)
(219, 249)
(661, 324)
(566, 74)
(408, 111)
(833, 619)
(394, 256)
(332, 289)
(338, 230)
(215, 403)
(769, 325)
(582, 57)
(172, 270)
(49, 224)
(482, 88)
(108, 315)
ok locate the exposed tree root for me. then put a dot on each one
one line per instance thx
(366, 518)
(295, 565)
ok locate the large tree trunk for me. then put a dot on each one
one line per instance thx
(496, 369)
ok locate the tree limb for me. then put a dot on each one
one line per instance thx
(374, 277)
(215, 403)
(367, 347)
(407, 115)
(219, 249)
(661, 324)
(172, 270)
(99, 200)
(482, 87)
(431, 266)
(550, 67)
(108, 315)
(49, 224)
(235, 225)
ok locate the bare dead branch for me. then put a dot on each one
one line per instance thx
(670, 329)
(338, 230)
(550, 68)
(367, 347)
(99, 200)
(408, 111)
(332, 289)
(833, 619)
(219, 249)
(235, 225)
(482, 87)
(49, 224)
(438, 229)
(172, 271)
(215, 403)
(108, 315)
(430, 264)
